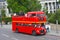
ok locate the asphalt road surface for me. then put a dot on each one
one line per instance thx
(7, 34)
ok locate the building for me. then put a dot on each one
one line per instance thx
(3, 5)
(50, 5)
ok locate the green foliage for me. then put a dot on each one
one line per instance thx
(49, 14)
(52, 18)
(55, 16)
(7, 19)
(59, 1)
(3, 13)
(24, 5)
(58, 15)
(0, 19)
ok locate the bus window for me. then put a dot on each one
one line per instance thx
(17, 24)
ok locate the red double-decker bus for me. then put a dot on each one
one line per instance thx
(31, 23)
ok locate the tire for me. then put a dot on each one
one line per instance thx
(34, 33)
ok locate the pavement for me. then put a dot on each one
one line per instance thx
(7, 34)
(56, 33)
(55, 30)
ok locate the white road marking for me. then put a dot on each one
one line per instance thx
(14, 38)
(5, 35)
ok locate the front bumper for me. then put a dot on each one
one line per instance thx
(41, 32)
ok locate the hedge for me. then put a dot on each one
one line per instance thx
(7, 19)
(53, 18)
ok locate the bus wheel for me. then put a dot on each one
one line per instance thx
(34, 33)
(16, 31)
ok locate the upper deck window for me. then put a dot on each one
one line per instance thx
(40, 15)
(33, 15)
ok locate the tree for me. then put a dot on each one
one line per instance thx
(55, 16)
(24, 5)
(59, 1)
(3, 13)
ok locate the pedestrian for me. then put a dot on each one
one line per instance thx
(48, 27)
(43, 25)
(25, 15)
(14, 14)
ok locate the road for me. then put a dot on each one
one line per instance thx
(7, 34)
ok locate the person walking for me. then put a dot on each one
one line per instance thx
(48, 27)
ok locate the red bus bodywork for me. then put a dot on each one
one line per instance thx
(25, 23)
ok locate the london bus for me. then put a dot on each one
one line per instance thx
(32, 23)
